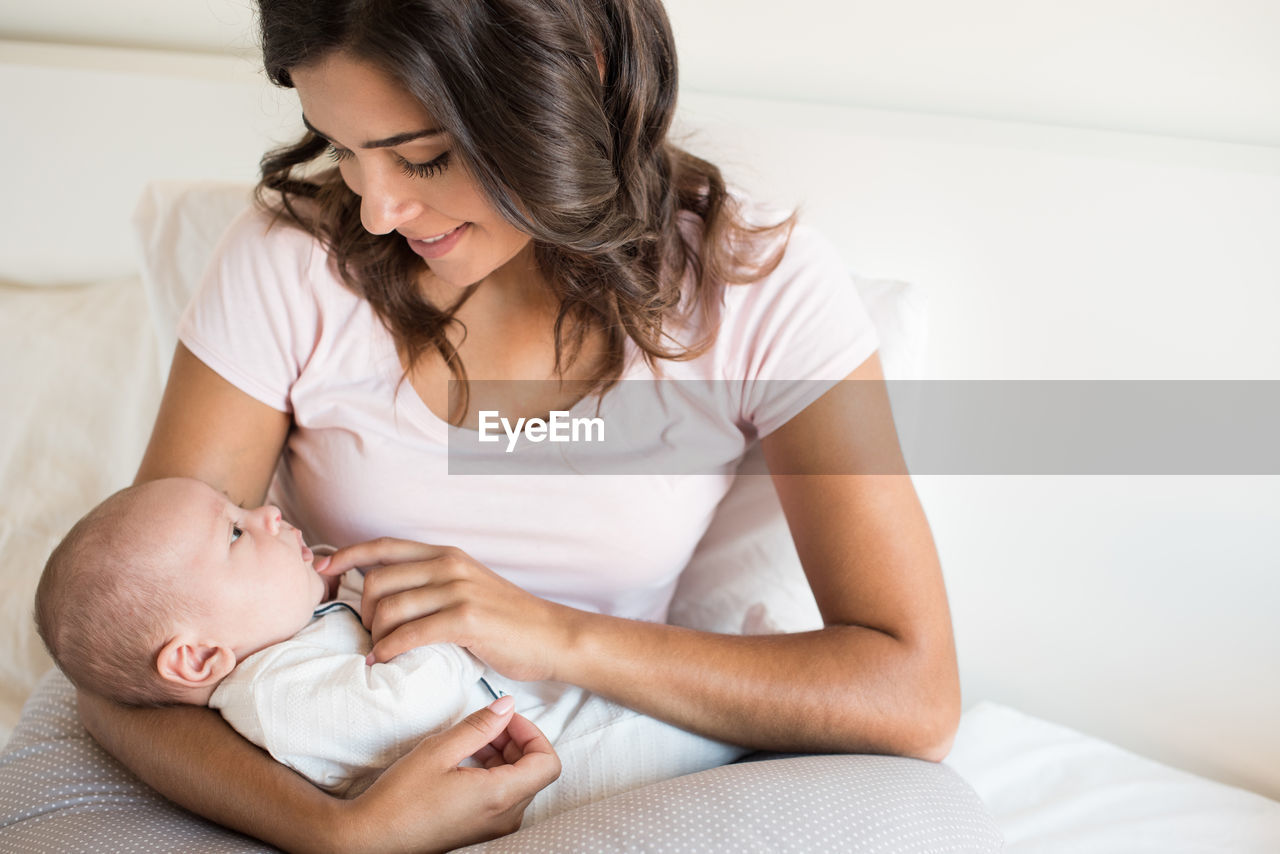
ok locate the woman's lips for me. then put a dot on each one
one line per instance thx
(440, 245)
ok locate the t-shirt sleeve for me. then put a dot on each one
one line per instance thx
(796, 333)
(254, 319)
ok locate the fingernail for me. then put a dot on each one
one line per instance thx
(321, 563)
(369, 660)
(502, 705)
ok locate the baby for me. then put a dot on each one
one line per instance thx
(168, 592)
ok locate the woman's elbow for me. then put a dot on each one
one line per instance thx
(910, 707)
(921, 728)
(927, 730)
(937, 738)
(937, 702)
(929, 705)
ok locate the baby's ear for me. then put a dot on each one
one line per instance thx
(194, 664)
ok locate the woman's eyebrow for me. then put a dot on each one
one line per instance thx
(389, 142)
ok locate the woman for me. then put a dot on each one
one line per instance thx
(505, 206)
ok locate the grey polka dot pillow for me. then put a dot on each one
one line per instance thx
(60, 793)
(794, 804)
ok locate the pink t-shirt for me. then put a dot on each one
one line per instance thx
(367, 458)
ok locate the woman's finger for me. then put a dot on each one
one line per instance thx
(488, 756)
(380, 552)
(522, 778)
(526, 735)
(388, 581)
(530, 752)
(383, 616)
(507, 749)
(504, 750)
(440, 628)
(473, 733)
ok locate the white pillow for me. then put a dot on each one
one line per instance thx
(177, 226)
(80, 392)
(745, 575)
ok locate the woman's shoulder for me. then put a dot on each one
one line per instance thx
(802, 318)
(268, 299)
(268, 232)
(799, 264)
(765, 250)
(776, 241)
(266, 252)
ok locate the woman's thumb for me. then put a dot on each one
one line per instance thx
(476, 730)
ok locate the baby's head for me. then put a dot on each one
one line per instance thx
(157, 593)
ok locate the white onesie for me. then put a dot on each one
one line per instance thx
(315, 706)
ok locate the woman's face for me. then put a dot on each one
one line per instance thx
(392, 154)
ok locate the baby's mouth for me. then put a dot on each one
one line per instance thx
(307, 554)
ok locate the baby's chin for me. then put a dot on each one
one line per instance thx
(328, 587)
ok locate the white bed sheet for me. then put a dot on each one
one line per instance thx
(1052, 789)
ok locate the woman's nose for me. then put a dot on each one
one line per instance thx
(387, 203)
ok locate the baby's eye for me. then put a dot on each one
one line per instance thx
(236, 531)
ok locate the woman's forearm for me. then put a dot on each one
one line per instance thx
(841, 689)
(194, 759)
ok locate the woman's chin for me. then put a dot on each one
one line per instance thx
(450, 276)
(444, 283)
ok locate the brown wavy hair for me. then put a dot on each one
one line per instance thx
(560, 110)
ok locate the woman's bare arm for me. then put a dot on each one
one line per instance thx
(881, 677)
(210, 430)
(194, 759)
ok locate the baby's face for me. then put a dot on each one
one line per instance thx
(249, 568)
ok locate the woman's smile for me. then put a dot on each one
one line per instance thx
(439, 245)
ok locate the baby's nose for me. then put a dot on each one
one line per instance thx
(271, 518)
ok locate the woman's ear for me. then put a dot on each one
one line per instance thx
(194, 664)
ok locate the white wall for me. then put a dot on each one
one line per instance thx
(1208, 70)
(1176, 67)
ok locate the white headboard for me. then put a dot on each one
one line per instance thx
(86, 128)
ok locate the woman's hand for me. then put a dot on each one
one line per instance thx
(424, 802)
(417, 594)
(427, 796)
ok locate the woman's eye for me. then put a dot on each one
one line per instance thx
(425, 170)
(416, 170)
(236, 531)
